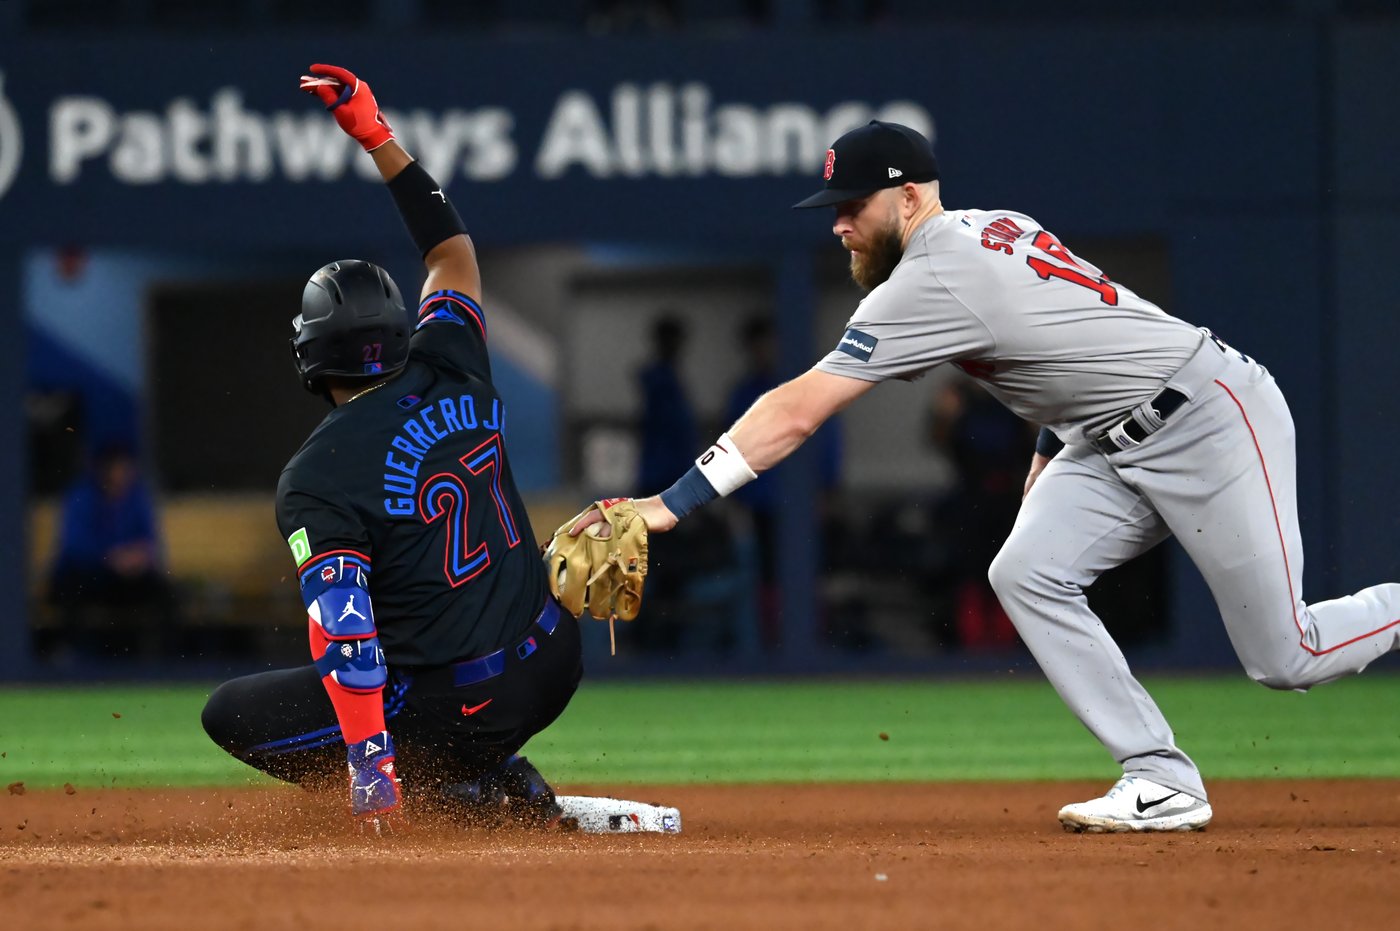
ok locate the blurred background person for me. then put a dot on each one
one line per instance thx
(668, 432)
(667, 439)
(108, 579)
(761, 498)
(988, 447)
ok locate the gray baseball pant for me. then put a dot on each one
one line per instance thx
(1220, 475)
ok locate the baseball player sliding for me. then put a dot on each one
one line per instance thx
(1151, 427)
(437, 649)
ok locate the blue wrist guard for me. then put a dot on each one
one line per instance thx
(690, 491)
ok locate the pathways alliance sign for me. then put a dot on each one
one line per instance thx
(656, 131)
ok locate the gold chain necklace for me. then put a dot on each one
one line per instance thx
(361, 394)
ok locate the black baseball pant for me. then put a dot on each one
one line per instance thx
(282, 722)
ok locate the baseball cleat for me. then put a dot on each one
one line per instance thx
(514, 793)
(1137, 804)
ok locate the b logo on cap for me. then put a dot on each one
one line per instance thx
(830, 164)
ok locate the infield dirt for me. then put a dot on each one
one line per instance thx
(1280, 854)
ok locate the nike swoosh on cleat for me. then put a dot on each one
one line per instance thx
(475, 708)
(1143, 806)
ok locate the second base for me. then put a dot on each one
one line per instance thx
(596, 815)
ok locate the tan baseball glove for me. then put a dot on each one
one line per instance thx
(604, 568)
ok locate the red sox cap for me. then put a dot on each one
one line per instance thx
(873, 157)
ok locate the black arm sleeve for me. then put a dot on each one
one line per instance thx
(426, 211)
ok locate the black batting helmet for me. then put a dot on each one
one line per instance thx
(352, 323)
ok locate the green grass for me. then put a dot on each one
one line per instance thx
(617, 733)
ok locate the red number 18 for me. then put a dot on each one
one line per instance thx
(1077, 274)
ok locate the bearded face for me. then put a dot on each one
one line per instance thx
(873, 265)
(870, 230)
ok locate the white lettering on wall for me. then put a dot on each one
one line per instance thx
(11, 141)
(80, 128)
(574, 135)
(657, 130)
(665, 131)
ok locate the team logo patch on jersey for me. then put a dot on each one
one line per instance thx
(408, 402)
(858, 345)
(301, 546)
(830, 164)
(443, 315)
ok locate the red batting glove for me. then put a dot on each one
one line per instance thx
(352, 104)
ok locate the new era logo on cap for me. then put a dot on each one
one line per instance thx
(872, 157)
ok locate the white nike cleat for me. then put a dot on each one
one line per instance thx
(1137, 804)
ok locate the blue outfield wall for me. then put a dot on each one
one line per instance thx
(1364, 306)
(1262, 155)
(1112, 130)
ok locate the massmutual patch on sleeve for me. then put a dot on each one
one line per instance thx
(857, 344)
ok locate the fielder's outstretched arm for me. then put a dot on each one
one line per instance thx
(768, 433)
(783, 419)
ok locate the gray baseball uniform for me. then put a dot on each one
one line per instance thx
(1061, 345)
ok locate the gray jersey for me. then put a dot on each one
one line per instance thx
(1044, 331)
(1065, 347)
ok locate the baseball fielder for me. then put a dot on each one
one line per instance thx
(1165, 430)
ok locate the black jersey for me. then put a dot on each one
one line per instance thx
(412, 478)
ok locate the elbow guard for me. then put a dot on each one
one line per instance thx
(357, 665)
(335, 590)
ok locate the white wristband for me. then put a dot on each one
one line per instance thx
(724, 467)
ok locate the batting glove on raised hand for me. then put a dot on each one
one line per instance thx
(352, 104)
(374, 782)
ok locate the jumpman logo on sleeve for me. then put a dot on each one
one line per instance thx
(349, 610)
